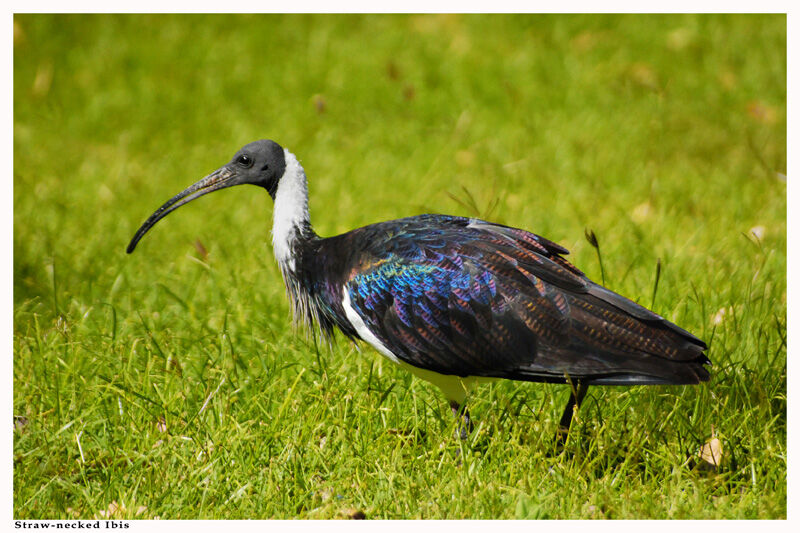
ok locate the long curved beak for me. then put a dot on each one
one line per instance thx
(219, 179)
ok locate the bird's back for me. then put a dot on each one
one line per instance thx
(466, 297)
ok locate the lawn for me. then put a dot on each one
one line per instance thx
(170, 383)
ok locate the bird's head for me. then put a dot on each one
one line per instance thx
(259, 163)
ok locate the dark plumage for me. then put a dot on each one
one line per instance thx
(454, 299)
(467, 297)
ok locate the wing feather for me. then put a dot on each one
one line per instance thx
(467, 297)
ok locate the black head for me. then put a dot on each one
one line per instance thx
(259, 163)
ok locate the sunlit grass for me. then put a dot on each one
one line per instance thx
(170, 383)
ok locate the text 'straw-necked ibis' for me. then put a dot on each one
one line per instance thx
(456, 300)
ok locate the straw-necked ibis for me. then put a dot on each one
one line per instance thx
(456, 300)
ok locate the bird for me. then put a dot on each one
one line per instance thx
(457, 301)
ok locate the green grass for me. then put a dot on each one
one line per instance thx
(171, 382)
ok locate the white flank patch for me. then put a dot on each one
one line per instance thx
(291, 209)
(362, 329)
(455, 388)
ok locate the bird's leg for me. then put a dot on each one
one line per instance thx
(578, 391)
(461, 413)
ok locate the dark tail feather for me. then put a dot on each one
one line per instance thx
(663, 374)
(614, 341)
(642, 313)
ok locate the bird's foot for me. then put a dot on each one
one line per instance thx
(465, 425)
(575, 398)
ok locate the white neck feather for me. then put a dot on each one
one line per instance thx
(290, 215)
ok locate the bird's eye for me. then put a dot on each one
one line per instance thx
(244, 160)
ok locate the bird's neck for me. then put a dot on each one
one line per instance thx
(290, 222)
(292, 241)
